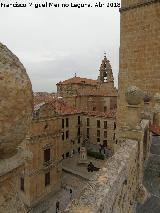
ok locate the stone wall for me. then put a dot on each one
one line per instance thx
(44, 134)
(10, 170)
(107, 134)
(139, 50)
(74, 141)
(115, 187)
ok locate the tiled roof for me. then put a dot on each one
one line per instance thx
(79, 80)
(57, 104)
(155, 129)
(43, 97)
(109, 114)
(60, 107)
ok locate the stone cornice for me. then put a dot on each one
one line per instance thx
(35, 172)
(137, 5)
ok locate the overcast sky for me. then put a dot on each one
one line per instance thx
(54, 43)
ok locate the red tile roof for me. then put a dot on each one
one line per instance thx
(79, 80)
(61, 107)
(155, 129)
(43, 97)
(57, 104)
(109, 114)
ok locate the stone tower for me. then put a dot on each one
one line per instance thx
(106, 75)
(139, 51)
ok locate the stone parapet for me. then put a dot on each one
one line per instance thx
(108, 191)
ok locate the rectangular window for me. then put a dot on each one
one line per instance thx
(79, 140)
(87, 132)
(98, 140)
(105, 109)
(79, 131)
(62, 136)
(67, 134)
(98, 124)
(105, 124)
(94, 108)
(105, 134)
(79, 120)
(114, 136)
(47, 155)
(98, 133)
(47, 178)
(114, 125)
(105, 143)
(87, 121)
(22, 183)
(67, 122)
(62, 123)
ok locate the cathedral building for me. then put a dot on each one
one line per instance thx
(88, 94)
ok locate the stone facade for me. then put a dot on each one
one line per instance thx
(56, 131)
(139, 50)
(91, 95)
(42, 174)
(100, 129)
(139, 78)
(72, 134)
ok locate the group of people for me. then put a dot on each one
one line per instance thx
(91, 167)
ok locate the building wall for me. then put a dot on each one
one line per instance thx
(71, 89)
(139, 50)
(74, 140)
(44, 134)
(92, 103)
(107, 138)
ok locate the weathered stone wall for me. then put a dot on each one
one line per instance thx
(10, 170)
(139, 50)
(74, 141)
(44, 133)
(110, 130)
(16, 102)
(88, 103)
(16, 105)
(115, 187)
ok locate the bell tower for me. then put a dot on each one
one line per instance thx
(106, 74)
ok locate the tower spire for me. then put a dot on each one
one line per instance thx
(106, 74)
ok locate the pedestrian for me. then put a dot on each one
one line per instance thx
(70, 191)
(57, 206)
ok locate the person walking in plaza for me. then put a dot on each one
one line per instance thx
(70, 191)
(57, 206)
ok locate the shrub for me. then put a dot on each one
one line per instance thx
(96, 155)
